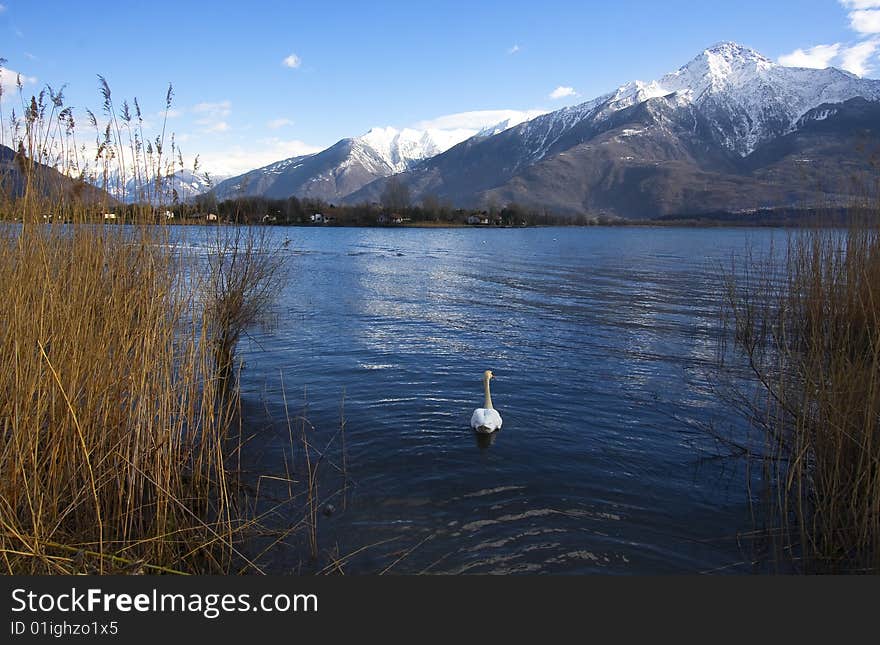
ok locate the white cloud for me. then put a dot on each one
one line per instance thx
(860, 4)
(865, 21)
(234, 160)
(818, 57)
(9, 81)
(213, 116)
(220, 108)
(855, 59)
(2, 8)
(274, 124)
(215, 126)
(450, 129)
(514, 49)
(476, 119)
(562, 91)
(293, 61)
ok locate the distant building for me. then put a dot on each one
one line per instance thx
(211, 217)
(168, 215)
(109, 217)
(316, 218)
(476, 219)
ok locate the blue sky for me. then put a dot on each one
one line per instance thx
(259, 81)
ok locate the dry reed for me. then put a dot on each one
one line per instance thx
(118, 410)
(808, 325)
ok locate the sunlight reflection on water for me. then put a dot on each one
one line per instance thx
(602, 341)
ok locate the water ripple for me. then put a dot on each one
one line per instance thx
(602, 342)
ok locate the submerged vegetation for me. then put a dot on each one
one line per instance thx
(808, 324)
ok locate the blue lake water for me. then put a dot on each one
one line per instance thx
(603, 344)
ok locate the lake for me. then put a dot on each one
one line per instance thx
(603, 342)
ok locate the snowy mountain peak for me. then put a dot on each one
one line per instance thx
(722, 66)
(397, 149)
(738, 97)
(732, 52)
(180, 187)
(748, 97)
(506, 124)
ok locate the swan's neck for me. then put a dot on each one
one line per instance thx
(488, 404)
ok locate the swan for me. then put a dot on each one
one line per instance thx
(486, 420)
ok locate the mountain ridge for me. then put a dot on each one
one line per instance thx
(689, 140)
(676, 144)
(349, 164)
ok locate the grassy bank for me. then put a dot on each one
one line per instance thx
(808, 324)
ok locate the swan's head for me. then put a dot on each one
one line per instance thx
(488, 375)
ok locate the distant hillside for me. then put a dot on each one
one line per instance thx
(349, 164)
(730, 131)
(49, 181)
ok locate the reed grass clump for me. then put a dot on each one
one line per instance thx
(242, 276)
(808, 324)
(118, 412)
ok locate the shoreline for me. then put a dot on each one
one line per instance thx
(660, 223)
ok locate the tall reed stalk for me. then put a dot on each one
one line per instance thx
(118, 406)
(808, 325)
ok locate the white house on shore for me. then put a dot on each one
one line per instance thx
(317, 218)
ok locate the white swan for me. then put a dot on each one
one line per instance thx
(486, 420)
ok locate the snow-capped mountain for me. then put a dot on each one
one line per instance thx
(506, 124)
(398, 150)
(349, 164)
(183, 186)
(684, 142)
(748, 98)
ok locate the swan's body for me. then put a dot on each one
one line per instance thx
(486, 420)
